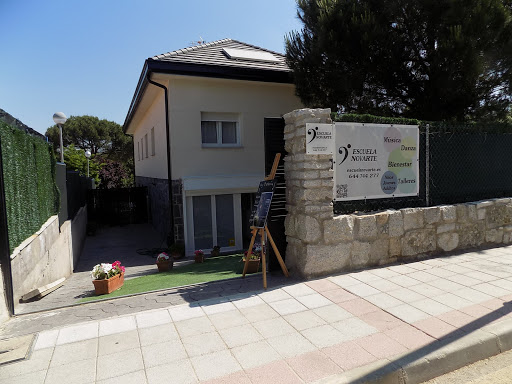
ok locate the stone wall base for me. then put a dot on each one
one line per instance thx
(158, 193)
(350, 242)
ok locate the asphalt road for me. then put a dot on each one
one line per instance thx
(495, 370)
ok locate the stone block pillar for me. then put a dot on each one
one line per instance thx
(309, 195)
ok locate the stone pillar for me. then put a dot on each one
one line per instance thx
(309, 195)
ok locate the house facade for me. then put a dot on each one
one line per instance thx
(197, 124)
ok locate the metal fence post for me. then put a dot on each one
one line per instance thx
(427, 165)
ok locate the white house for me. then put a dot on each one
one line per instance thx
(197, 120)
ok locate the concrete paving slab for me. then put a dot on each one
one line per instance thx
(118, 342)
(203, 344)
(292, 344)
(255, 354)
(181, 371)
(15, 349)
(163, 353)
(81, 350)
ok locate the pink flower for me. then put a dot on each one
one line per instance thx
(122, 268)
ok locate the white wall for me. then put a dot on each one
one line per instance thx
(252, 100)
(154, 116)
(48, 255)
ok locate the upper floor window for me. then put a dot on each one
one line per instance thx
(220, 130)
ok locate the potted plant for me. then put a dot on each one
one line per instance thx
(164, 262)
(254, 260)
(199, 256)
(215, 251)
(107, 277)
(177, 251)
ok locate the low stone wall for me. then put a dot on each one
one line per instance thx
(320, 243)
(48, 255)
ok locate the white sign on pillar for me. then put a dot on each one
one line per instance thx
(319, 139)
(375, 161)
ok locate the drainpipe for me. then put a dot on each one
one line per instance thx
(169, 173)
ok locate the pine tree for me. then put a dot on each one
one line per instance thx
(426, 59)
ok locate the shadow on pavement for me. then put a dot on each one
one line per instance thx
(448, 339)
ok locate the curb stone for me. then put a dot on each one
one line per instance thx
(433, 360)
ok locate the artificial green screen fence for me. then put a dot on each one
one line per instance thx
(31, 194)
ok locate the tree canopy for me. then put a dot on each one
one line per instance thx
(109, 146)
(425, 59)
(75, 159)
(89, 132)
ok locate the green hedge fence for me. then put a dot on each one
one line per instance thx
(31, 193)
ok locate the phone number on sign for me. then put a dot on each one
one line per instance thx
(363, 176)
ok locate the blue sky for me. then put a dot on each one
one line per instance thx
(85, 57)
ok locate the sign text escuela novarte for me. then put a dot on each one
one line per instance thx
(319, 139)
(375, 161)
(371, 161)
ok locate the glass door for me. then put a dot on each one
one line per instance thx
(214, 220)
(202, 216)
(225, 221)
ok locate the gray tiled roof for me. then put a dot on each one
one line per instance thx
(212, 54)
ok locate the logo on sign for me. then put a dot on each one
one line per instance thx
(343, 151)
(312, 133)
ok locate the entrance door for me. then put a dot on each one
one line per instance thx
(274, 143)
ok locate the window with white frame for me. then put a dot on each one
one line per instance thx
(146, 142)
(220, 129)
(142, 148)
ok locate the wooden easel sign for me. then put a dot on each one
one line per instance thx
(258, 222)
(262, 203)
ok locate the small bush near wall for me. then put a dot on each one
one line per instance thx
(29, 178)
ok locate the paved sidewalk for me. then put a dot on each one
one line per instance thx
(333, 329)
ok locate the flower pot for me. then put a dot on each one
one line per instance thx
(214, 253)
(253, 266)
(164, 265)
(105, 286)
(199, 258)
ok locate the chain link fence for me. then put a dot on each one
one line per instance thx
(469, 166)
(465, 162)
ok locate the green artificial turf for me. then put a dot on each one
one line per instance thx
(213, 269)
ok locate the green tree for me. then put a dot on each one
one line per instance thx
(426, 59)
(86, 132)
(105, 139)
(75, 159)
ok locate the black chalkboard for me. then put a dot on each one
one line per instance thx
(262, 203)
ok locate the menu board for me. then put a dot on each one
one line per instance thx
(262, 203)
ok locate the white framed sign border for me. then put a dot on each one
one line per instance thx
(345, 151)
